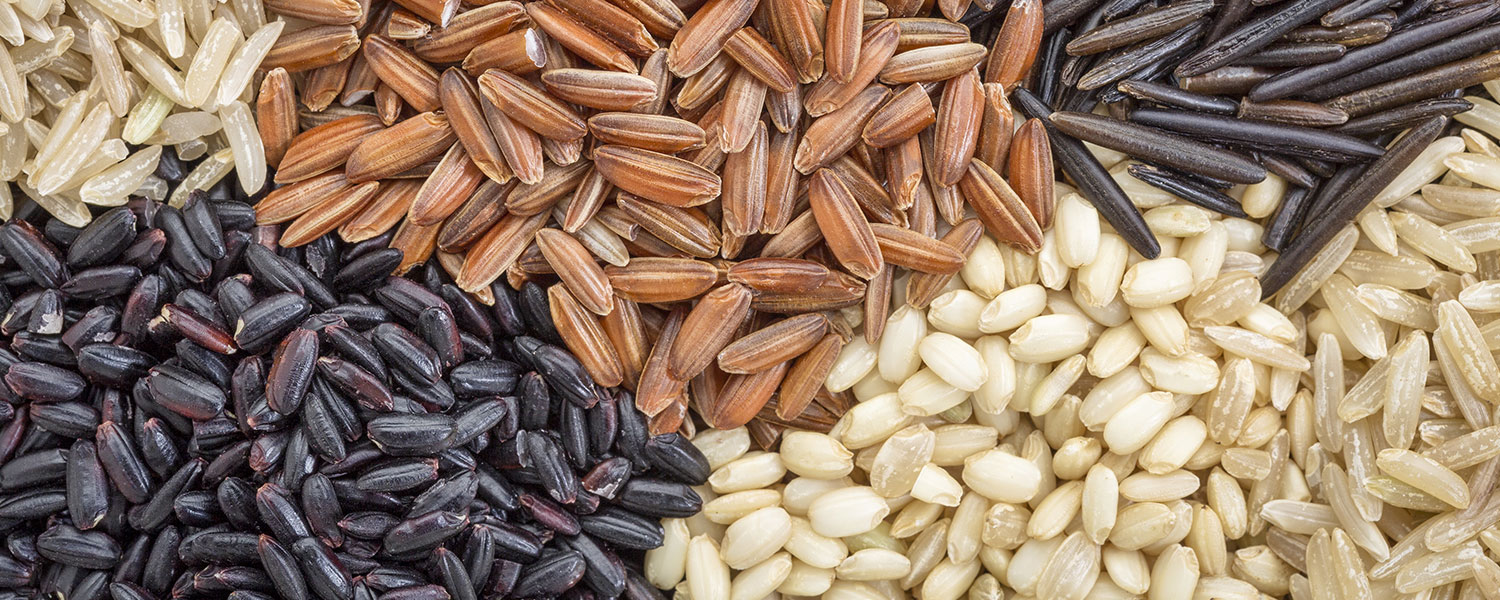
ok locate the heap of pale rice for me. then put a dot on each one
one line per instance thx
(81, 83)
(1084, 423)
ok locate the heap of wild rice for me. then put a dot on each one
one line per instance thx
(93, 94)
(191, 410)
(1089, 423)
(1212, 94)
(741, 169)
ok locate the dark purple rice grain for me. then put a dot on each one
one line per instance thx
(1061, 13)
(182, 462)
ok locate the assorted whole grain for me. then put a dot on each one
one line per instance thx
(1244, 349)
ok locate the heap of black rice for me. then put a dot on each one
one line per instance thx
(191, 411)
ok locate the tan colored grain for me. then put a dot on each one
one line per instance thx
(519, 52)
(878, 44)
(604, 90)
(833, 134)
(325, 147)
(908, 112)
(932, 63)
(688, 230)
(324, 84)
(383, 212)
(483, 208)
(328, 12)
(956, 132)
(614, 23)
(658, 389)
(996, 128)
(923, 288)
(329, 214)
(521, 147)
(709, 327)
(743, 397)
(289, 201)
(773, 344)
(437, 12)
(468, 30)
(705, 33)
(276, 114)
(657, 133)
(657, 177)
(579, 38)
(557, 183)
(843, 226)
(1002, 211)
(785, 275)
(1020, 38)
(756, 55)
(744, 199)
(406, 25)
(416, 243)
(906, 248)
(584, 337)
(313, 47)
(494, 253)
(841, 39)
(453, 181)
(531, 106)
(400, 147)
(1030, 171)
(795, 32)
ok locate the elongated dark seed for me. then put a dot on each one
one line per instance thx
(1173, 96)
(292, 371)
(1420, 86)
(122, 463)
(1401, 117)
(1187, 189)
(326, 575)
(1399, 43)
(551, 575)
(1093, 180)
(411, 434)
(202, 222)
(1341, 210)
(1288, 139)
(1061, 13)
(1135, 58)
(87, 485)
(262, 325)
(43, 382)
(1253, 36)
(1160, 146)
(1144, 25)
(84, 549)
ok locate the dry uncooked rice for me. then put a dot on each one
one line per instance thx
(1151, 428)
(78, 86)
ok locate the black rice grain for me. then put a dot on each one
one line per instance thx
(193, 412)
